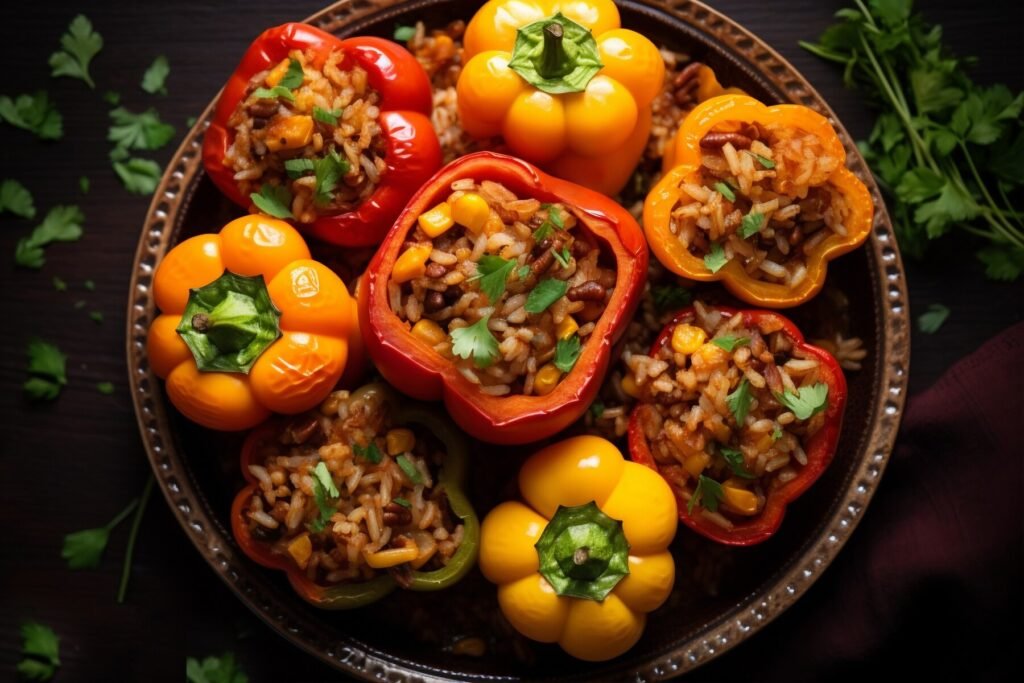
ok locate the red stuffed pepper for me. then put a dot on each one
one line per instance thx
(333, 134)
(738, 414)
(501, 290)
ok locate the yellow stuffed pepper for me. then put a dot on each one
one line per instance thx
(585, 558)
(563, 85)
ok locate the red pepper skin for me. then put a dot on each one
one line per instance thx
(414, 368)
(820, 447)
(413, 151)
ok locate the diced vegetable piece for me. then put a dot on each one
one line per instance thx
(696, 463)
(399, 441)
(629, 386)
(411, 264)
(471, 211)
(278, 72)
(546, 380)
(687, 338)
(437, 221)
(292, 132)
(428, 331)
(301, 548)
(739, 499)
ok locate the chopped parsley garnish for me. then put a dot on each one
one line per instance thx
(35, 113)
(297, 168)
(274, 93)
(562, 256)
(80, 45)
(708, 493)
(293, 77)
(83, 184)
(404, 34)
(730, 342)
(90, 285)
(48, 367)
(544, 294)
(273, 200)
(410, 469)
(541, 233)
(523, 272)
(138, 131)
(807, 401)
(329, 170)
(59, 284)
(140, 176)
(739, 401)
(930, 322)
(324, 492)
(61, 224)
(326, 115)
(734, 459)
(715, 259)
(726, 191)
(84, 549)
(493, 272)
(476, 342)
(670, 297)
(370, 453)
(221, 669)
(554, 215)
(764, 161)
(96, 316)
(112, 97)
(776, 433)
(398, 500)
(751, 224)
(105, 388)
(16, 199)
(41, 651)
(596, 409)
(567, 352)
(153, 81)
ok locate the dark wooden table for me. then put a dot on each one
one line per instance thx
(74, 463)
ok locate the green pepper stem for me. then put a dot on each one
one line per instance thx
(581, 556)
(554, 61)
(232, 324)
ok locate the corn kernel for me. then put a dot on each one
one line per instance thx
(567, 327)
(687, 338)
(493, 224)
(278, 72)
(546, 380)
(289, 133)
(399, 441)
(696, 463)
(436, 221)
(392, 557)
(428, 332)
(738, 499)
(301, 549)
(411, 264)
(710, 355)
(629, 386)
(471, 211)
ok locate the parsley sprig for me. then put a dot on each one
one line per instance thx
(41, 652)
(708, 494)
(223, 669)
(806, 401)
(324, 494)
(84, 549)
(35, 113)
(948, 152)
(80, 44)
(47, 366)
(477, 342)
(16, 199)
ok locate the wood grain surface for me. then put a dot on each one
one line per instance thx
(75, 463)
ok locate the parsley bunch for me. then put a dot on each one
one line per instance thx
(947, 151)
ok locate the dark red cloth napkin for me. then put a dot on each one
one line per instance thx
(929, 585)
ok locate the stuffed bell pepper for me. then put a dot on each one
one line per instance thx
(738, 414)
(758, 197)
(249, 325)
(585, 557)
(563, 85)
(358, 498)
(333, 134)
(501, 290)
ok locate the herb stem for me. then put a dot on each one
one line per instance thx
(126, 568)
(122, 515)
(1011, 233)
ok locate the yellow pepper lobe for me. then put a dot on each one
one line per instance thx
(572, 472)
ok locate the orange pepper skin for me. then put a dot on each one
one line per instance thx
(589, 137)
(298, 370)
(683, 164)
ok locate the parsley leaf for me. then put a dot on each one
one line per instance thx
(764, 161)
(751, 224)
(47, 365)
(138, 131)
(493, 272)
(96, 316)
(476, 342)
(41, 648)
(61, 224)
(730, 342)
(15, 199)
(596, 409)
(80, 45)
(544, 294)
(84, 549)
(329, 171)
(273, 200)
(112, 97)
(670, 297)
(776, 433)
(541, 233)
(567, 352)
(153, 81)
(734, 459)
(34, 113)
(297, 168)
(293, 77)
(221, 669)
(105, 388)
(807, 401)
(715, 259)
(562, 256)
(326, 115)
(401, 501)
(140, 176)
(324, 490)
(404, 34)
(410, 469)
(739, 401)
(523, 272)
(274, 93)
(83, 184)
(930, 322)
(726, 191)
(554, 215)
(708, 494)
(369, 453)
(59, 284)
(1002, 263)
